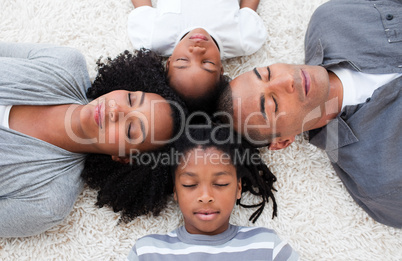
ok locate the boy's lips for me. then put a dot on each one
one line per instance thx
(206, 215)
(199, 36)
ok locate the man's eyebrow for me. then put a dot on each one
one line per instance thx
(257, 73)
(142, 98)
(269, 73)
(262, 106)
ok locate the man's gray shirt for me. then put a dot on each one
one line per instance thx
(364, 142)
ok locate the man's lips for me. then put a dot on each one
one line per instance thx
(199, 37)
(306, 81)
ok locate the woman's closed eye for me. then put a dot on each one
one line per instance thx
(136, 131)
(129, 131)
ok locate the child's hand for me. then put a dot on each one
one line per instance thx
(138, 3)
(252, 4)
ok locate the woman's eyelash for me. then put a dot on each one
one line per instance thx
(129, 99)
(128, 131)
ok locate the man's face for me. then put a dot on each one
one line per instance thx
(278, 101)
(195, 66)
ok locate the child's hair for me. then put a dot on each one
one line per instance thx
(208, 102)
(133, 189)
(255, 175)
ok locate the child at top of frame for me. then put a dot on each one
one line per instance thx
(209, 179)
(196, 35)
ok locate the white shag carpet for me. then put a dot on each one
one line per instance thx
(316, 214)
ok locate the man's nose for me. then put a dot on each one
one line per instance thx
(284, 83)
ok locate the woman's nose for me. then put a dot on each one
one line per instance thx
(115, 111)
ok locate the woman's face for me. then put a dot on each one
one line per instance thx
(121, 121)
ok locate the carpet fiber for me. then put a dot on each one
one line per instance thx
(316, 215)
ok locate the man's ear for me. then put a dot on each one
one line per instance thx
(123, 160)
(281, 143)
(222, 70)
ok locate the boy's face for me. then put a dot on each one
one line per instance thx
(195, 65)
(206, 188)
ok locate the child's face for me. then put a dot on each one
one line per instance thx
(206, 188)
(195, 66)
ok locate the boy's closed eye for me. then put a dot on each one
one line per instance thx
(189, 186)
(215, 184)
(222, 185)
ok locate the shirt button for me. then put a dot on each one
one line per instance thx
(389, 17)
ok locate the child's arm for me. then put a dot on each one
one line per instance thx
(138, 3)
(252, 4)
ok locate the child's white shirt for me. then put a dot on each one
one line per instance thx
(238, 32)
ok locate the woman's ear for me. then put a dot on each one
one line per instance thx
(123, 160)
(281, 143)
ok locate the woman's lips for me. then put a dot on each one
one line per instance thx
(199, 37)
(98, 114)
(306, 82)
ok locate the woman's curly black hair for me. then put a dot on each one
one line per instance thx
(255, 175)
(132, 189)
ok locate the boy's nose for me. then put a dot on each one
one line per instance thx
(206, 197)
